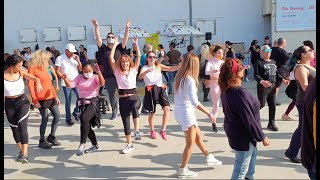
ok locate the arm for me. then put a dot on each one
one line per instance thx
(55, 77)
(234, 53)
(100, 76)
(301, 74)
(58, 66)
(31, 84)
(76, 57)
(225, 53)
(97, 32)
(170, 68)
(144, 71)
(126, 34)
(69, 84)
(111, 57)
(138, 55)
(31, 77)
(257, 70)
(85, 55)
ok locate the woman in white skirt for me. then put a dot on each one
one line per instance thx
(185, 100)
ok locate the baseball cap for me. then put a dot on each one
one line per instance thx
(267, 37)
(71, 47)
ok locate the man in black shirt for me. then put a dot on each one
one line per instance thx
(266, 74)
(267, 41)
(280, 56)
(111, 83)
(174, 57)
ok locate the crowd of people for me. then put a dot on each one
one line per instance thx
(118, 69)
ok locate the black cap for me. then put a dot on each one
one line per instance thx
(267, 37)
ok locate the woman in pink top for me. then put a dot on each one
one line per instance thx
(88, 85)
(213, 69)
(126, 72)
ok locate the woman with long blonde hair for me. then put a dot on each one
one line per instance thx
(204, 56)
(185, 99)
(47, 99)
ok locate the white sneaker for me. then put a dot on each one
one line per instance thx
(93, 148)
(211, 160)
(127, 149)
(246, 79)
(186, 173)
(137, 135)
(80, 150)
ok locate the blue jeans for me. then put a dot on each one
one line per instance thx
(244, 164)
(171, 79)
(67, 97)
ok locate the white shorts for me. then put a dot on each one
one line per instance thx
(185, 117)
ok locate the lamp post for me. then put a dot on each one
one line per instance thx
(190, 19)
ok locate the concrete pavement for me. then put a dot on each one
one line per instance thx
(151, 158)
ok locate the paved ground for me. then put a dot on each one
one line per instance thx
(151, 158)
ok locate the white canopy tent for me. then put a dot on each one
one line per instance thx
(180, 30)
(133, 31)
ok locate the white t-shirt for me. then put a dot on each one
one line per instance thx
(27, 57)
(213, 68)
(126, 80)
(68, 67)
(154, 77)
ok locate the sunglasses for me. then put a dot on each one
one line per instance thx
(152, 57)
(267, 50)
(110, 37)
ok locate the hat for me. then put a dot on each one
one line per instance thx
(71, 47)
(267, 37)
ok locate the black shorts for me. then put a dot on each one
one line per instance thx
(153, 95)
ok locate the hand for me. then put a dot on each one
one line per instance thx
(116, 40)
(246, 66)
(180, 65)
(149, 70)
(94, 22)
(212, 117)
(285, 81)
(96, 67)
(162, 53)
(39, 87)
(266, 84)
(135, 40)
(266, 141)
(38, 106)
(64, 76)
(57, 88)
(128, 25)
(58, 102)
(76, 57)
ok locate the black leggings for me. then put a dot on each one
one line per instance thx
(85, 127)
(127, 105)
(268, 94)
(17, 112)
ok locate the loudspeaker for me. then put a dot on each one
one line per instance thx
(208, 35)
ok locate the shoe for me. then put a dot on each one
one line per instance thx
(76, 116)
(44, 144)
(153, 134)
(137, 135)
(51, 139)
(32, 107)
(113, 116)
(246, 79)
(169, 92)
(163, 134)
(70, 122)
(186, 173)
(24, 159)
(211, 160)
(214, 127)
(278, 103)
(206, 100)
(272, 127)
(145, 112)
(293, 159)
(19, 157)
(93, 148)
(80, 150)
(286, 117)
(127, 149)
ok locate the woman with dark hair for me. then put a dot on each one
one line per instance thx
(88, 85)
(83, 54)
(17, 103)
(161, 54)
(242, 119)
(310, 44)
(254, 50)
(304, 73)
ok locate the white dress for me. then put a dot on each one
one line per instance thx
(185, 101)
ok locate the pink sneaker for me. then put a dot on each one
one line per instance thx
(153, 134)
(163, 135)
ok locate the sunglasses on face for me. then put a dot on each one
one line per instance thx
(151, 57)
(267, 50)
(110, 37)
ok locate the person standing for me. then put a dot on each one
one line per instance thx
(111, 83)
(17, 105)
(185, 100)
(242, 119)
(229, 51)
(55, 53)
(254, 51)
(266, 75)
(310, 44)
(304, 73)
(280, 56)
(267, 41)
(47, 99)
(69, 64)
(213, 69)
(161, 54)
(83, 54)
(204, 56)
(88, 85)
(174, 57)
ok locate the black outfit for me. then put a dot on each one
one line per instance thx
(89, 117)
(17, 112)
(267, 70)
(229, 54)
(254, 55)
(242, 118)
(127, 105)
(202, 74)
(280, 56)
(153, 95)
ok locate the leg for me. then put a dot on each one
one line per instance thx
(262, 93)
(67, 97)
(171, 78)
(151, 121)
(165, 117)
(85, 118)
(56, 118)
(200, 143)
(23, 127)
(44, 121)
(215, 97)
(76, 91)
(252, 165)
(136, 104)
(290, 107)
(111, 88)
(190, 136)
(271, 99)
(124, 108)
(92, 136)
(241, 163)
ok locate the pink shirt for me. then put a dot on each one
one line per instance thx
(88, 88)
(126, 80)
(313, 62)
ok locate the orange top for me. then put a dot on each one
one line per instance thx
(48, 91)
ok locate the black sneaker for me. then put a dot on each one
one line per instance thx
(293, 159)
(70, 122)
(76, 116)
(44, 144)
(214, 127)
(145, 112)
(24, 159)
(113, 116)
(51, 139)
(19, 156)
(272, 127)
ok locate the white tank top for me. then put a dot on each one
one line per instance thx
(13, 88)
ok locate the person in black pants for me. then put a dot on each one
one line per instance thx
(266, 74)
